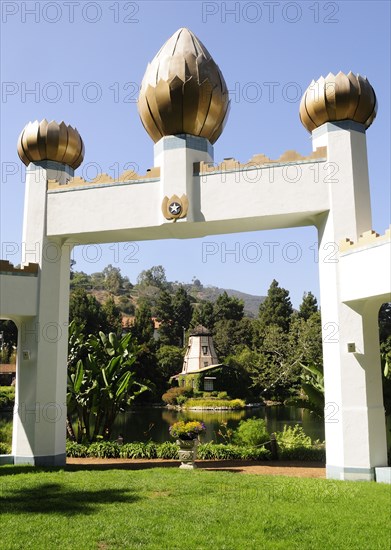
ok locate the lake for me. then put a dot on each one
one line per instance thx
(153, 422)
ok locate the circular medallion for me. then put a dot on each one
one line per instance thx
(175, 208)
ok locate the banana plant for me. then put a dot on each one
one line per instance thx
(102, 384)
(312, 386)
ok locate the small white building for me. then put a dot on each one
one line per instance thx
(200, 351)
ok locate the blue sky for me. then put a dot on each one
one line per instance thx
(84, 62)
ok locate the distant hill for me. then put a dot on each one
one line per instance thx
(211, 293)
(126, 295)
(207, 293)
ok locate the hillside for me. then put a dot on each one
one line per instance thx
(110, 282)
(251, 303)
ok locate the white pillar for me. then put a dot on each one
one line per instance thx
(354, 413)
(176, 155)
(40, 405)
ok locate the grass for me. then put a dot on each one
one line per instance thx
(87, 508)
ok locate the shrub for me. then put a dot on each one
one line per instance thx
(181, 399)
(76, 450)
(167, 450)
(171, 395)
(104, 449)
(255, 453)
(5, 432)
(5, 449)
(252, 432)
(222, 395)
(212, 451)
(7, 397)
(292, 437)
(138, 449)
(312, 454)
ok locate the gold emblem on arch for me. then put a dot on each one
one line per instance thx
(175, 208)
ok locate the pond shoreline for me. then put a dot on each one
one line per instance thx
(184, 408)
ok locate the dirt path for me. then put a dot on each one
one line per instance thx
(291, 469)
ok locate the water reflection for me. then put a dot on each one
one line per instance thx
(153, 423)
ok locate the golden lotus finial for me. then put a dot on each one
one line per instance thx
(50, 141)
(183, 91)
(336, 98)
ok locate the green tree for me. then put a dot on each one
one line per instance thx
(156, 276)
(112, 279)
(112, 317)
(273, 368)
(203, 314)
(143, 326)
(79, 279)
(126, 305)
(170, 360)
(231, 335)
(308, 306)
(86, 311)
(305, 337)
(182, 312)
(276, 308)
(97, 280)
(227, 307)
(174, 313)
(8, 340)
(165, 315)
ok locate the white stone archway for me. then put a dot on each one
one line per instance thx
(329, 191)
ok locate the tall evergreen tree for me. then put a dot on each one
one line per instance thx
(165, 314)
(308, 306)
(174, 313)
(183, 312)
(276, 308)
(230, 336)
(227, 307)
(112, 318)
(143, 327)
(203, 314)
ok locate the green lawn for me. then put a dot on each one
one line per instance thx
(168, 508)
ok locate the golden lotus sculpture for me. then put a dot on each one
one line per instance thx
(183, 91)
(175, 207)
(336, 98)
(50, 141)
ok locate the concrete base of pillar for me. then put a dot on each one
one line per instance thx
(383, 475)
(350, 474)
(49, 460)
